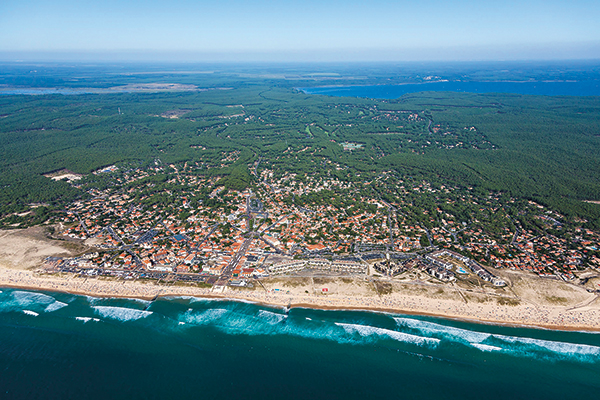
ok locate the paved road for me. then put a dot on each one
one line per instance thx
(213, 229)
(228, 271)
(274, 224)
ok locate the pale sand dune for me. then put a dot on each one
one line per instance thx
(27, 248)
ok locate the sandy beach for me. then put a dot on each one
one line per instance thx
(528, 301)
(585, 317)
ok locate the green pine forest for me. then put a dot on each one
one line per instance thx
(545, 149)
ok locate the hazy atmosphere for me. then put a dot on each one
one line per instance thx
(330, 30)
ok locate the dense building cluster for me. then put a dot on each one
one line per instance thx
(171, 220)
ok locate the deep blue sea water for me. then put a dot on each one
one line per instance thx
(63, 346)
(580, 88)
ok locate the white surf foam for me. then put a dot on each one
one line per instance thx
(121, 313)
(29, 312)
(271, 317)
(196, 299)
(57, 305)
(485, 347)
(555, 347)
(141, 301)
(26, 299)
(476, 339)
(87, 319)
(92, 300)
(365, 331)
(179, 298)
(429, 328)
(204, 317)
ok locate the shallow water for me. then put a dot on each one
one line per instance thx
(56, 345)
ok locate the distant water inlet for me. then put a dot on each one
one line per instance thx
(56, 345)
(579, 88)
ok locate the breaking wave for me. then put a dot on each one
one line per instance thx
(431, 328)
(38, 302)
(121, 313)
(247, 320)
(495, 342)
(271, 317)
(184, 314)
(486, 347)
(87, 319)
(554, 347)
(57, 305)
(203, 318)
(26, 299)
(366, 330)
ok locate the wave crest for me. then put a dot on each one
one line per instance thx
(121, 313)
(366, 330)
(271, 317)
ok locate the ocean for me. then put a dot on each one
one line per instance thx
(64, 346)
(579, 88)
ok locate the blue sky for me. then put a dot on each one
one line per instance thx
(326, 30)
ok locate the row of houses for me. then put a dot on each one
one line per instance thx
(441, 273)
(484, 274)
(286, 267)
(340, 266)
(322, 264)
(434, 258)
(389, 268)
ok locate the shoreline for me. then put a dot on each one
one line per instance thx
(28, 280)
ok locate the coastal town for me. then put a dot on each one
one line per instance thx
(172, 224)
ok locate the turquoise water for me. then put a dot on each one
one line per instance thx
(56, 345)
(580, 88)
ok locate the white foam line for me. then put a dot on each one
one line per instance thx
(29, 312)
(200, 299)
(27, 298)
(475, 339)
(271, 317)
(57, 305)
(433, 328)
(121, 313)
(205, 317)
(240, 301)
(485, 347)
(556, 347)
(141, 301)
(179, 297)
(365, 330)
